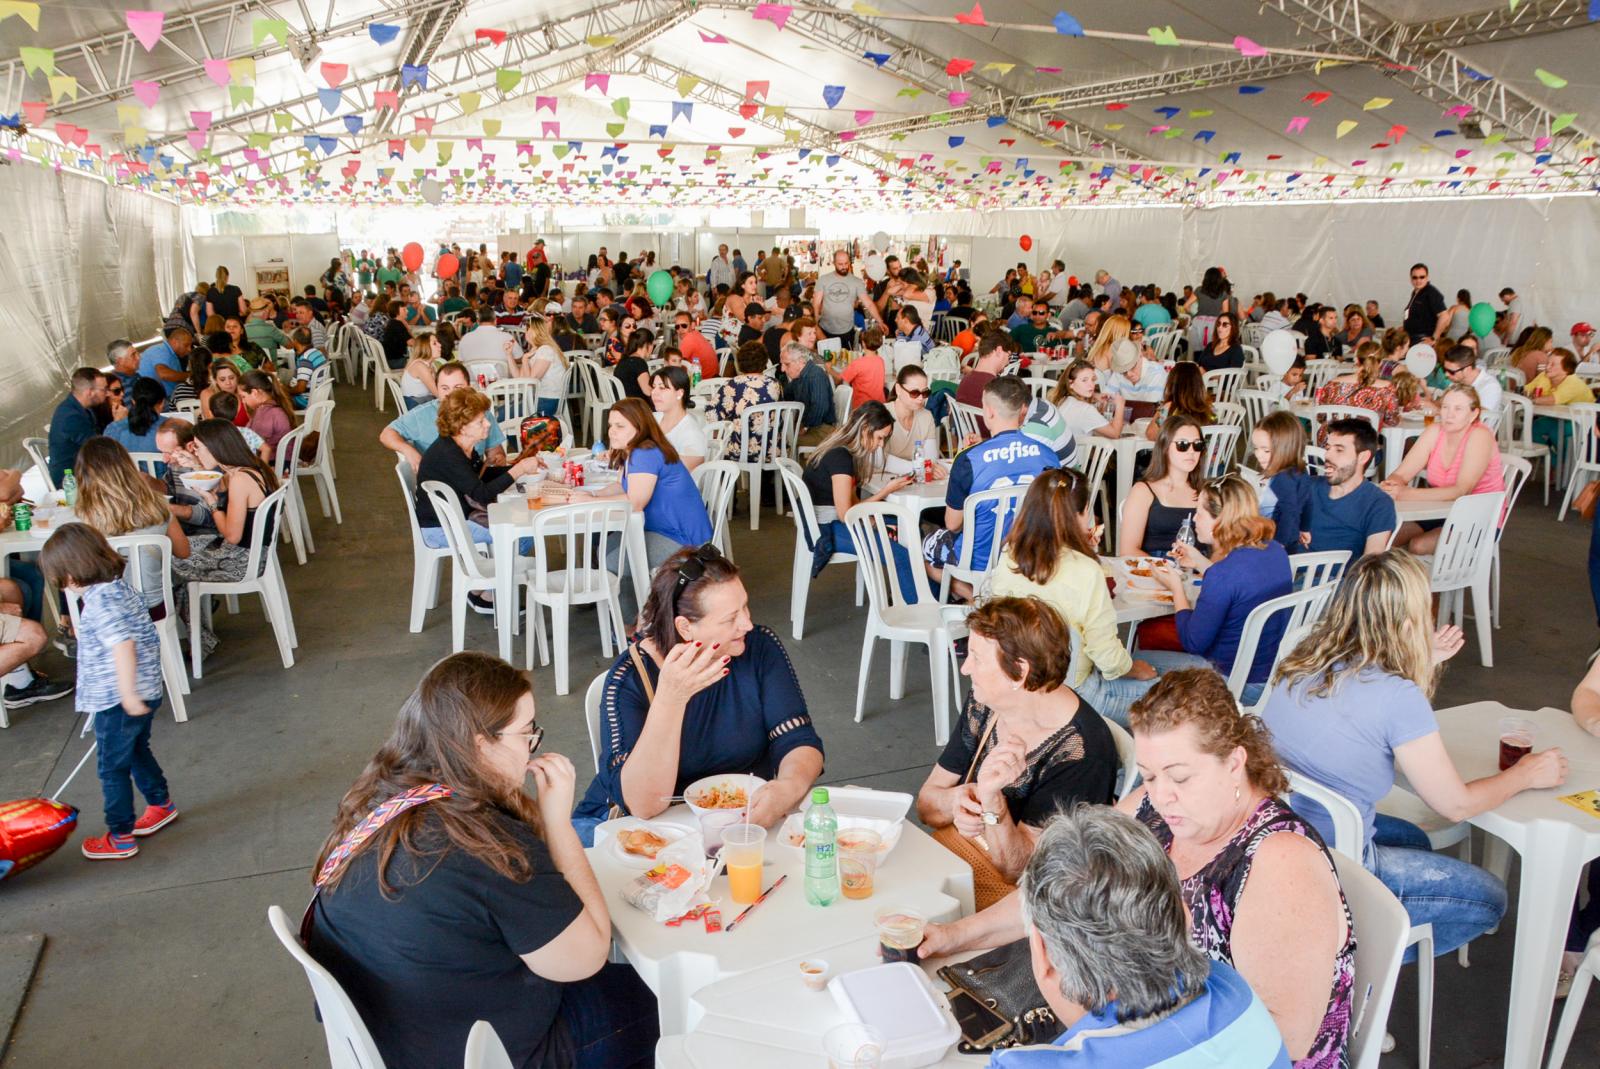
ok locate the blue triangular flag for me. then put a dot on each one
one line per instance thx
(995, 120)
(682, 109)
(1022, 164)
(166, 161)
(804, 153)
(354, 123)
(956, 142)
(608, 150)
(832, 94)
(658, 131)
(310, 141)
(1594, 10)
(1107, 171)
(831, 160)
(576, 146)
(1542, 158)
(1203, 172)
(1450, 133)
(1066, 25)
(1168, 112)
(328, 143)
(1477, 76)
(1250, 90)
(331, 99)
(1205, 135)
(880, 58)
(1232, 157)
(413, 74)
(382, 32)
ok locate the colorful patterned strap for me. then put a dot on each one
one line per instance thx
(376, 819)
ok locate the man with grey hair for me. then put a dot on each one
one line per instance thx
(1109, 286)
(1109, 945)
(806, 382)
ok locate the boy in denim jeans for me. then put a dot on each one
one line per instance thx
(119, 681)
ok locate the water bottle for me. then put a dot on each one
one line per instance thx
(1185, 536)
(69, 489)
(694, 376)
(822, 859)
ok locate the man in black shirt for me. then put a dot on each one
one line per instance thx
(755, 322)
(623, 271)
(1322, 342)
(1427, 315)
(1373, 315)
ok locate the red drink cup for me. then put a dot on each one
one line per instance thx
(1516, 740)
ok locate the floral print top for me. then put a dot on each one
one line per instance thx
(1213, 892)
(738, 394)
(1378, 397)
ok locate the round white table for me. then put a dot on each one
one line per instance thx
(1554, 839)
(676, 963)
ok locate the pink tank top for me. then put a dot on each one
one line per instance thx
(1442, 474)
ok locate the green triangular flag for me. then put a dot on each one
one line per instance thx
(614, 129)
(469, 102)
(491, 127)
(282, 120)
(620, 106)
(506, 79)
(241, 94)
(38, 59)
(261, 29)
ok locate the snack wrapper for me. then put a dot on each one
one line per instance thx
(677, 883)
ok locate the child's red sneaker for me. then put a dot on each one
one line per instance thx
(109, 847)
(154, 818)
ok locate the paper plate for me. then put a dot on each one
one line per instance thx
(670, 832)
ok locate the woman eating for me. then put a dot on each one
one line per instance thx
(1362, 388)
(1244, 568)
(115, 498)
(702, 691)
(1352, 702)
(544, 362)
(1026, 747)
(268, 404)
(1050, 555)
(836, 473)
(467, 899)
(914, 425)
(417, 384)
(1169, 492)
(1227, 347)
(1460, 456)
(1186, 396)
(669, 396)
(1077, 396)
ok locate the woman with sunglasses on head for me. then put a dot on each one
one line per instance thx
(701, 691)
(1169, 492)
(466, 899)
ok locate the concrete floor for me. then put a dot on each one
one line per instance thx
(166, 960)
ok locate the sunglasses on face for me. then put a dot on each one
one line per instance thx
(916, 393)
(1419, 278)
(534, 737)
(1188, 445)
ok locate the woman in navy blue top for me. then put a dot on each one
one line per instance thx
(1246, 568)
(702, 691)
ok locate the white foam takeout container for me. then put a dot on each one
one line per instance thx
(857, 807)
(898, 1001)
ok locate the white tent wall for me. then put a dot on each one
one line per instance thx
(1541, 247)
(83, 263)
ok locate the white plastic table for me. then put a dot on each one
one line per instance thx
(920, 495)
(510, 518)
(676, 963)
(1416, 511)
(768, 1018)
(1554, 840)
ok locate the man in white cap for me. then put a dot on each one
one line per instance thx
(1135, 378)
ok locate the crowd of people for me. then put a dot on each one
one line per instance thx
(1202, 906)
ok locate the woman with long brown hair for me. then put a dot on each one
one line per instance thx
(269, 406)
(1185, 395)
(1169, 492)
(446, 895)
(1362, 388)
(115, 498)
(1050, 555)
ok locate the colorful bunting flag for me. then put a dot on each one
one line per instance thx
(1248, 47)
(958, 66)
(145, 26)
(1163, 35)
(262, 28)
(601, 82)
(1550, 81)
(506, 79)
(777, 14)
(218, 71)
(973, 17)
(35, 60)
(413, 74)
(23, 9)
(1066, 25)
(1376, 104)
(832, 94)
(497, 37)
(330, 99)
(382, 33)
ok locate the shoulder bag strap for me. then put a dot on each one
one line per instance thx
(644, 677)
(994, 718)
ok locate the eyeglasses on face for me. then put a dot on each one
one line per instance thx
(1189, 445)
(534, 737)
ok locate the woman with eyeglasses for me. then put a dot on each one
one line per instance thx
(1169, 492)
(447, 895)
(701, 691)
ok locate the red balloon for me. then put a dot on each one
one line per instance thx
(31, 829)
(1026, 242)
(411, 256)
(1072, 280)
(448, 265)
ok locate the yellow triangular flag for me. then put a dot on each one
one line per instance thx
(27, 12)
(864, 9)
(1376, 103)
(469, 102)
(282, 120)
(491, 127)
(1003, 68)
(242, 69)
(418, 142)
(135, 135)
(686, 84)
(1345, 127)
(63, 85)
(129, 114)
(600, 40)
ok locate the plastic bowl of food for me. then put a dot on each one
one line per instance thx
(1141, 572)
(725, 792)
(201, 480)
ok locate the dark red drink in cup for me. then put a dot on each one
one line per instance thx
(900, 933)
(1516, 740)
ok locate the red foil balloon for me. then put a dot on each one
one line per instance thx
(1026, 242)
(31, 829)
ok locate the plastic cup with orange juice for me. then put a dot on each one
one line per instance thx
(858, 861)
(744, 850)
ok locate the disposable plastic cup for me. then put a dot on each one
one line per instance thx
(744, 849)
(853, 1046)
(1516, 740)
(858, 861)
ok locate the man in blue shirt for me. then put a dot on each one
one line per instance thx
(1150, 313)
(1008, 457)
(806, 382)
(76, 420)
(1109, 945)
(307, 359)
(413, 432)
(1347, 512)
(168, 361)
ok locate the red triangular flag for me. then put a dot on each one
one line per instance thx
(497, 36)
(958, 66)
(973, 17)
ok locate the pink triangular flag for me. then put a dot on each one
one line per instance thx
(145, 26)
(777, 14)
(959, 97)
(424, 124)
(474, 144)
(33, 111)
(713, 38)
(863, 117)
(217, 70)
(386, 98)
(1248, 47)
(550, 129)
(201, 120)
(1459, 110)
(197, 140)
(601, 82)
(973, 17)
(334, 73)
(147, 92)
(542, 103)
(756, 89)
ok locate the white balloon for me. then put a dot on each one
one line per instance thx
(876, 268)
(880, 241)
(432, 191)
(1277, 349)
(1421, 360)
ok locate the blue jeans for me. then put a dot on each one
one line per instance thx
(433, 538)
(1459, 899)
(902, 559)
(547, 406)
(124, 751)
(1112, 698)
(611, 1018)
(1165, 661)
(26, 574)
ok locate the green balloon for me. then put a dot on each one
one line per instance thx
(659, 287)
(1481, 318)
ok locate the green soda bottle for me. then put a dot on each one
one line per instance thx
(822, 858)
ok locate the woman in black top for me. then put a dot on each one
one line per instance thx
(633, 370)
(1027, 745)
(476, 902)
(396, 337)
(1226, 349)
(223, 298)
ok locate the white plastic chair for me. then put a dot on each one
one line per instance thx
(1515, 472)
(1585, 453)
(1316, 460)
(1307, 570)
(262, 576)
(1222, 440)
(1464, 560)
(149, 463)
(1322, 415)
(591, 714)
(942, 364)
(38, 451)
(717, 431)
(767, 433)
(1230, 413)
(1318, 372)
(472, 565)
(1002, 504)
(513, 399)
(603, 391)
(806, 532)
(484, 1049)
(890, 616)
(1039, 386)
(1515, 408)
(1127, 759)
(964, 421)
(425, 560)
(350, 1045)
(843, 402)
(189, 408)
(1224, 383)
(396, 393)
(1575, 998)
(297, 526)
(1094, 459)
(319, 421)
(584, 531)
(1303, 608)
(949, 326)
(718, 480)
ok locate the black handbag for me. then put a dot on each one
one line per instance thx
(1002, 979)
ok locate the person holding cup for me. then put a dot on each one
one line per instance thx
(701, 691)
(1351, 703)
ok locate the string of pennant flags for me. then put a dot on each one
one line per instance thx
(857, 167)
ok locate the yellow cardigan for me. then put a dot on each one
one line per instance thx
(1076, 590)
